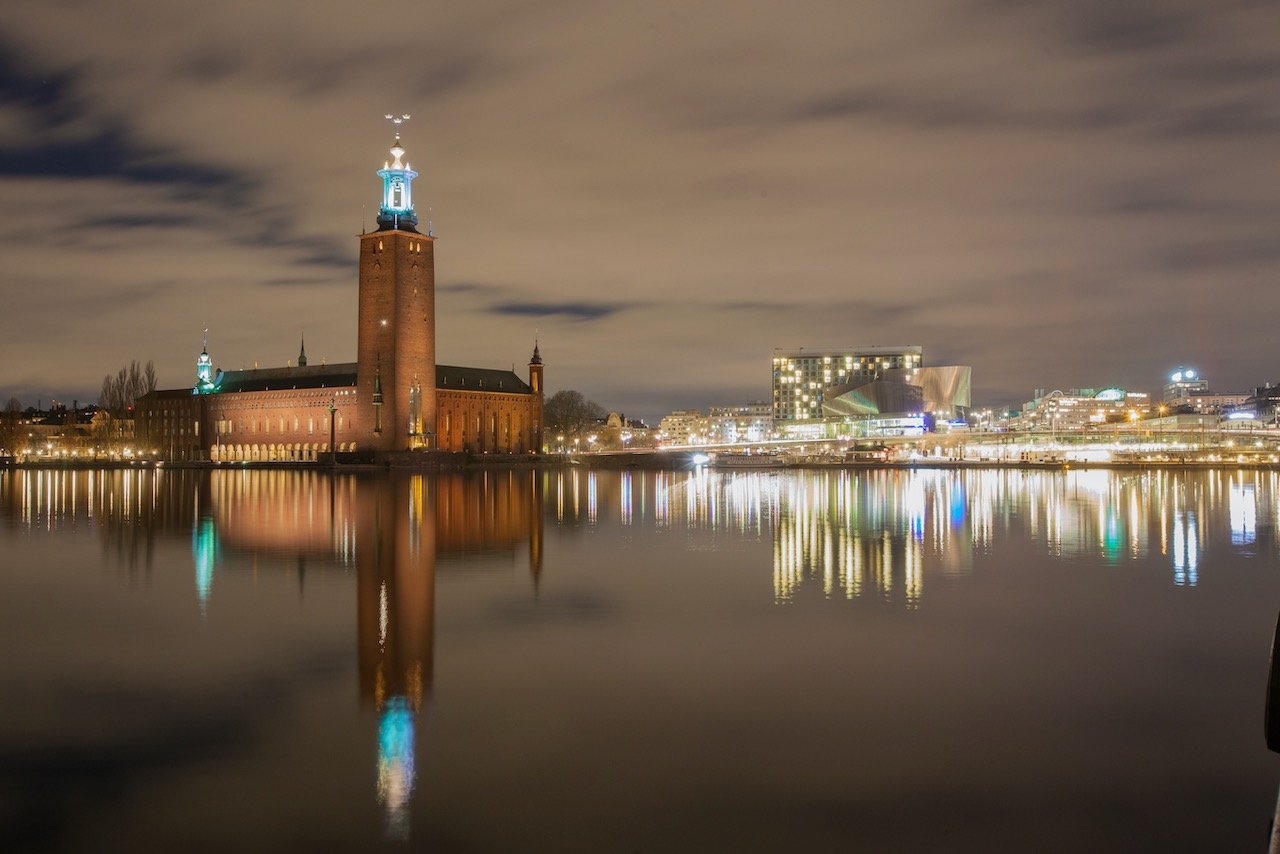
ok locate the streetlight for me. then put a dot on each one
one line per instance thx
(333, 448)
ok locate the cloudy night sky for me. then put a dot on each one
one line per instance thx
(1059, 194)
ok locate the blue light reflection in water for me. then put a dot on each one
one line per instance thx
(204, 553)
(396, 772)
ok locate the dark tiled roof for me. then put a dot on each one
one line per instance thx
(274, 379)
(166, 393)
(479, 379)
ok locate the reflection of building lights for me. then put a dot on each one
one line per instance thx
(204, 553)
(1185, 549)
(1242, 509)
(396, 772)
(383, 616)
(625, 498)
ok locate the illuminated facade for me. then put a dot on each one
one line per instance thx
(722, 425)
(943, 393)
(800, 378)
(1261, 406)
(751, 422)
(394, 398)
(1183, 383)
(682, 427)
(1188, 392)
(1080, 408)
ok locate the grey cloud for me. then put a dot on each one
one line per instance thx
(1220, 255)
(468, 288)
(1244, 117)
(1131, 26)
(860, 313)
(302, 281)
(580, 310)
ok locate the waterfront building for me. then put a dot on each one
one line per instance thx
(682, 427)
(81, 431)
(860, 427)
(750, 422)
(1078, 409)
(1188, 392)
(942, 393)
(800, 378)
(394, 398)
(616, 430)
(1183, 383)
(1262, 406)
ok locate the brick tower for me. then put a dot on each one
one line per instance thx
(396, 336)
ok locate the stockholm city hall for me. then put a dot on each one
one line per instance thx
(393, 400)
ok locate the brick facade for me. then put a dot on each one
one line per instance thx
(396, 338)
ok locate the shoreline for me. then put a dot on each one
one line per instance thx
(654, 462)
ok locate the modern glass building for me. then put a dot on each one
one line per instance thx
(800, 377)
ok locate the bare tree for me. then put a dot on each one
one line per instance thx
(568, 411)
(10, 421)
(131, 382)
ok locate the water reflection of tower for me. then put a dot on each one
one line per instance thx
(395, 562)
(204, 543)
(536, 485)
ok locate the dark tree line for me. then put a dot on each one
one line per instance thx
(568, 412)
(10, 420)
(119, 392)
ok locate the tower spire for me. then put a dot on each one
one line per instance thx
(204, 367)
(396, 212)
(302, 353)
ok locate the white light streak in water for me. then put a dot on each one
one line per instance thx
(624, 498)
(1242, 509)
(1186, 551)
(591, 497)
(662, 500)
(560, 496)
(382, 616)
(574, 478)
(914, 573)
(828, 561)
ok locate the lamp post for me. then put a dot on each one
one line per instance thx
(333, 448)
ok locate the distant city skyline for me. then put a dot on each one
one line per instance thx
(1059, 195)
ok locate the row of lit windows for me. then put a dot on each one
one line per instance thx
(415, 247)
(812, 364)
(226, 426)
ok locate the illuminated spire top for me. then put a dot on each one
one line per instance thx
(396, 211)
(204, 367)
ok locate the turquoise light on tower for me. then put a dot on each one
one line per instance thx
(204, 369)
(397, 193)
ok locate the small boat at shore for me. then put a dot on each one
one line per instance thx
(746, 461)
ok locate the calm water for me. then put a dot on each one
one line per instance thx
(579, 661)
